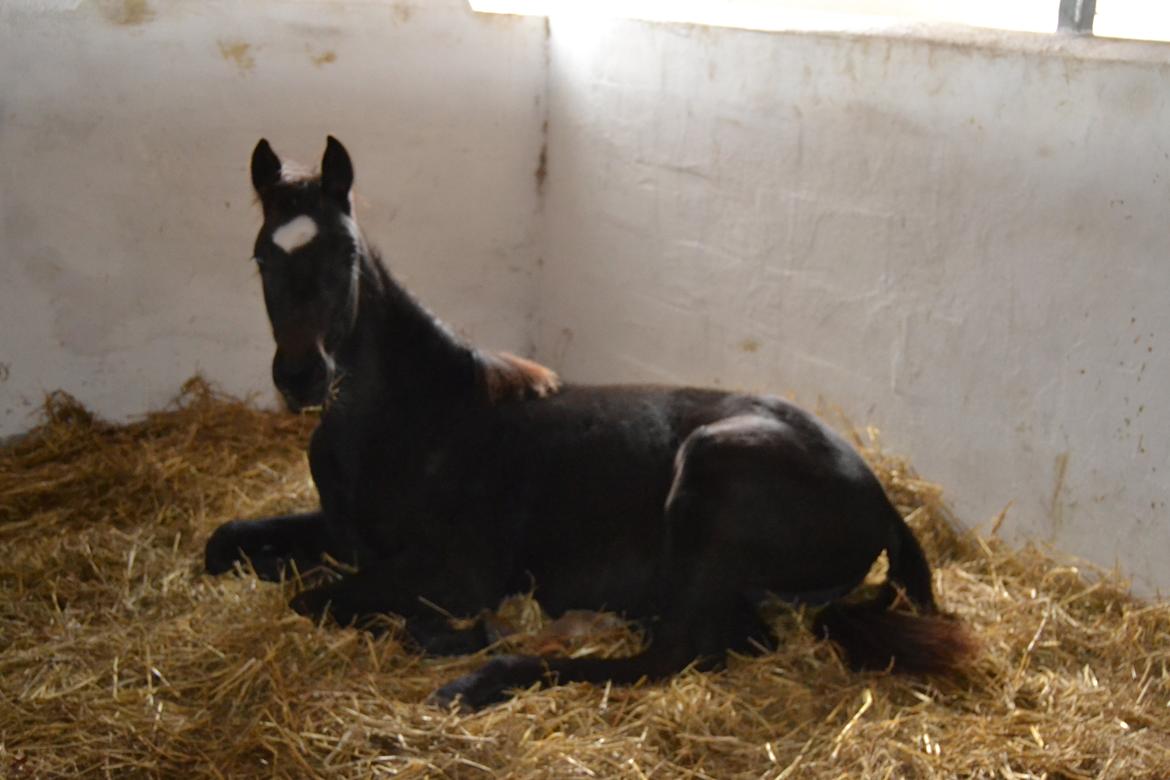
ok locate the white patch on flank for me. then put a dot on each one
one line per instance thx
(295, 233)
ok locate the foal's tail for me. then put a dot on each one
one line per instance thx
(882, 633)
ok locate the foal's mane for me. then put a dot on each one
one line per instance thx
(504, 377)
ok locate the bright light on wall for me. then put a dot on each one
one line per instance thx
(1141, 19)
(1027, 15)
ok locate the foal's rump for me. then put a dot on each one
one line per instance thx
(782, 502)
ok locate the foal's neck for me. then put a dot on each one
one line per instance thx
(405, 354)
(405, 361)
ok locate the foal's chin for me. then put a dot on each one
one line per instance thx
(298, 401)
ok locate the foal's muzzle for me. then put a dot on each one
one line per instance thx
(303, 381)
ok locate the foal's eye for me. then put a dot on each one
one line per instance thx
(259, 261)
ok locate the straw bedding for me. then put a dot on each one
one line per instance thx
(119, 657)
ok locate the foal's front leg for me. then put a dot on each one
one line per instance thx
(272, 545)
(413, 585)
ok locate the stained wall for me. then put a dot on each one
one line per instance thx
(962, 241)
(127, 212)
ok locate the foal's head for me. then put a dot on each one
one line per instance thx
(309, 253)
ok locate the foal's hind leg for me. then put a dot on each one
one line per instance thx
(692, 634)
(271, 545)
(764, 503)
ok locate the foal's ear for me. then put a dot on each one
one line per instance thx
(336, 174)
(265, 167)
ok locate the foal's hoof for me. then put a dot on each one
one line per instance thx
(313, 603)
(468, 694)
(223, 549)
(489, 684)
(228, 546)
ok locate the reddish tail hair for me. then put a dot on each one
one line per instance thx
(903, 634)
(875, 636)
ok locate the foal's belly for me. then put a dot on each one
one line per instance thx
(589, 491)
(610, 579)
(598, 551)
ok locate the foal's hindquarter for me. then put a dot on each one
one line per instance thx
(451, 478)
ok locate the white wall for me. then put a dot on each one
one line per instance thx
(966, 246)
(127, 214)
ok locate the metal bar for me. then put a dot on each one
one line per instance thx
(1076, 16)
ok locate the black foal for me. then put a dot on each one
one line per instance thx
(452, 476)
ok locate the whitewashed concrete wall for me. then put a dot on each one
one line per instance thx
(966, 246)
(127, 215)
